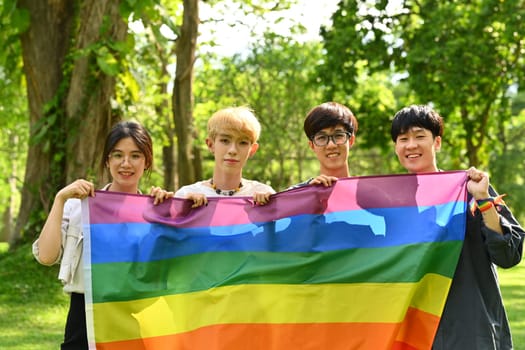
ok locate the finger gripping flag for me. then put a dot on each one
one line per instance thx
(364, 264)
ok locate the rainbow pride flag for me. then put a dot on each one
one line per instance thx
(364, 264)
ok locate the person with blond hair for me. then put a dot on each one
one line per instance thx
(233, 134)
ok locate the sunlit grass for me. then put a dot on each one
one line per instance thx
(32, 305)
(513, 290)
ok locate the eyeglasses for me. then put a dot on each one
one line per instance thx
(338, 138)
(118, 157)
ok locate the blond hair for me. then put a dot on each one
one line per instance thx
(240, 120)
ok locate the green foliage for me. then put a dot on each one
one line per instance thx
(13, 21)
(142, 89)
(13, 112)
(462, 60)
(275, 79)
(141, 7)
(107, 61)
(109, 55)
(510, 156)
(460, 57)
(373, 103)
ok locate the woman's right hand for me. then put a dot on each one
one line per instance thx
(50, 239)
(78, 189)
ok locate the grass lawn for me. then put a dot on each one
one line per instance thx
(33, 307)
(512, 283)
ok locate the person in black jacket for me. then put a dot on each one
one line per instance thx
(474, 316)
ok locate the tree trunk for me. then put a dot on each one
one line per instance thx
(168, 150)
(12, 235)
(7, 232)
(44, 48)
(88, 105)
(182, 94)
(162, 109)
(69, 102)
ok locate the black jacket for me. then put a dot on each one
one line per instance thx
(474, 316)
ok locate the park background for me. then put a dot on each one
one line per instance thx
(70, 69)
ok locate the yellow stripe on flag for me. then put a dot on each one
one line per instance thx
(284, 304)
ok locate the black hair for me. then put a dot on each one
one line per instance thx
(140, 136)
(416, 115)
(329, 114)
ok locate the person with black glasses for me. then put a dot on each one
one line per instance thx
(331, 128)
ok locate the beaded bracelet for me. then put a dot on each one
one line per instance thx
(486, 203)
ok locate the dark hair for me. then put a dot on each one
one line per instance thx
(329, 114)
(416, 115)
(140, 136)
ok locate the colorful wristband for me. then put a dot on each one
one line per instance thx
(486, 203)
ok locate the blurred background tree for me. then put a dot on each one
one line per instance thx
(70, 70)
(466, 59)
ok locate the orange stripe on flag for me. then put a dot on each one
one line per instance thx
(410, 334)
(416, 330)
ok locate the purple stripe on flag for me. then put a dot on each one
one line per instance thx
(388, 191)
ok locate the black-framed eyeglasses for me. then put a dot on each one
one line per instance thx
(337, 138)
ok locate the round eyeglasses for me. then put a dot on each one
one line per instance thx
(119, 157)
(337, 138)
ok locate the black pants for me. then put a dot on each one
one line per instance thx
(75, 337)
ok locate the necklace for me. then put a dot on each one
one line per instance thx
(225, 192)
